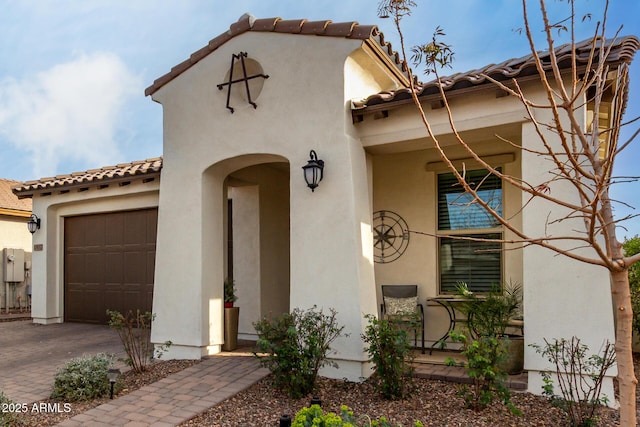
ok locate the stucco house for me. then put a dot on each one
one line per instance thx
(15, 249)
(228, 197)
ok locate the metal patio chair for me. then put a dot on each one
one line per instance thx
(400, 302)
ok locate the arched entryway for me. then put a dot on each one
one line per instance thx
(258, 241)
(247, 199)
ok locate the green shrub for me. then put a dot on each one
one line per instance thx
(578, 376)
(8, 417)
(83, 378)
(297, 345)
(484, 355)
(489, 313)
(314, 416)
(484, 343)
(134, 330)
(389, 348)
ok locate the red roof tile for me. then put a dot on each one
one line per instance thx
(351, 30)
(315, 27)
(293, 26)
(623, 49)
(92, 178)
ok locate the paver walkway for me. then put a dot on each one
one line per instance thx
(178, 397)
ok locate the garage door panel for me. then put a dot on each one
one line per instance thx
(85, 302)
(115, 226)
(109, 264)
(94, 267)
(152, 226)
(113, 298)
(133, 273)
(77, 275)
(135, 229)
(151, 266)
(94, 231)
(115, 270)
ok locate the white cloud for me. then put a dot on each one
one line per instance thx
(70, 112)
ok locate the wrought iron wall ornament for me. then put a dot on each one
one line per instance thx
(390, 236)
(241, 56)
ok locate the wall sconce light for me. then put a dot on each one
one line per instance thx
(313, 170)
(113, 375)
(33, 224)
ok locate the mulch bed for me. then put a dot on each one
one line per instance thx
(434, 403)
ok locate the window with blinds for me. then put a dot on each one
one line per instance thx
(456, 208)
(478, 263)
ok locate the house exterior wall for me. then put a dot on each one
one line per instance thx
(562, 297)
(566, 297)
(14, 235)
(48, 262)
(330, 229)
(406, 183)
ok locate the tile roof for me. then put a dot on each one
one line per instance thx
(8, 200)
(349, 30)
(623, 50)
(124, 172)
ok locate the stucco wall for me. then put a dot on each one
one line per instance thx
(303, 105)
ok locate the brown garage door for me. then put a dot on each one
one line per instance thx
(109, 264)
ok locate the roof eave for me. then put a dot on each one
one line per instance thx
(28, 191)
(15, 212)
(622, 54)
(348, 30)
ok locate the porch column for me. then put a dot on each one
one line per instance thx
(47, 281)
(562, 297)
(188, 292)
(332, 249)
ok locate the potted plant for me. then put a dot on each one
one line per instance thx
(229, 292)
(491, 314)
(231, 316)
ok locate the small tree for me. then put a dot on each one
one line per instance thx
(581, 157)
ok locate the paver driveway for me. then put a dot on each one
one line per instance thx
(30, 354)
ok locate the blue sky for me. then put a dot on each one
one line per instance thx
(73, 72)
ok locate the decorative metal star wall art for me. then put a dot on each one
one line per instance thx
(241, 56)
(390, 236)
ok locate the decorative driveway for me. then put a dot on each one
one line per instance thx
(31, 354)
